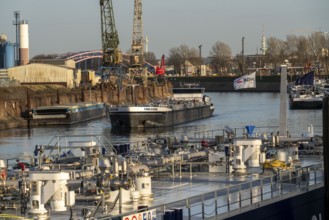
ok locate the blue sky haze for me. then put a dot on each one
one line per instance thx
(60, 26)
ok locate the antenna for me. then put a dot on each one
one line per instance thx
(17, 22)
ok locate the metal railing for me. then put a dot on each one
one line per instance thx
(233, 200)
(236, 132)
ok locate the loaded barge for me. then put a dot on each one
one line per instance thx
(67, 114)
(88, 177)
(187, 104)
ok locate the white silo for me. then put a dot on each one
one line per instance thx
(24, 42)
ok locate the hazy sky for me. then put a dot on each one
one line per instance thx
(60, 26)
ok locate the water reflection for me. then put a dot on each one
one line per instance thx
(233, 109)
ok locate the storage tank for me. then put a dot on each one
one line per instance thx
(49, 186)
(282, 155)
(3, 38)
(7, 55)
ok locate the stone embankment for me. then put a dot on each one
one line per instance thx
(16, 102)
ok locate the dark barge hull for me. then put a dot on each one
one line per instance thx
(159, 119)
(304, 104)
(306, 206)
(71, 118)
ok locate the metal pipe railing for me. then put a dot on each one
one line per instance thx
(223, 202)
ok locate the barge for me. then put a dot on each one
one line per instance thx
(187, 104)
(305, 97)
(95, 181)
(67, 114)
(305, 93)
(102, 184)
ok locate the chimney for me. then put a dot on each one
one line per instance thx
(24, 42)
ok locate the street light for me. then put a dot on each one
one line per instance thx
(325, 53)
(200, 55)
(90, 90)
(242, 53)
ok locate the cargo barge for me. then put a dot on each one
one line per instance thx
(93, 181)
(116, 186)
(187, 104)
(67, 114)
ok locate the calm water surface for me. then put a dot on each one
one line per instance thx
(233, 109)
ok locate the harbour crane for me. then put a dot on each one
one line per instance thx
(136, 57)
(112, 56)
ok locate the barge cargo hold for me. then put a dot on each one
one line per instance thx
(188, 104)
(67, 114)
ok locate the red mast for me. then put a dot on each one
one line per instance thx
(160, 70)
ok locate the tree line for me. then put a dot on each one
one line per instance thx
(298, 50)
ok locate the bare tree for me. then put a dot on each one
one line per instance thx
(299, 50)
(175, 59)
(317, 41)
(292, 49)
(186, 54)
(45, 56)
(303, 51)
(220, 54)
(276, 50)
(150, 58)
(325, 52)
(179, 55)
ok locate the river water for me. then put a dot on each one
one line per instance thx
(233, 109)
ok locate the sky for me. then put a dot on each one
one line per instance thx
(61, 26)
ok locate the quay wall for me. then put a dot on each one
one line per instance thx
(225, 84)
(16, 102)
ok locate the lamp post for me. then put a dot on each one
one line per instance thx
(89, 93)
(327, 60)
(325, 50)
(242, 53)
(325, 53)
(200, 55)
(317, 67)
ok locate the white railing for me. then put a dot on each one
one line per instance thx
(242, 197)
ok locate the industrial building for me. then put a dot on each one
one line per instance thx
(43, 73)
(17, 66)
